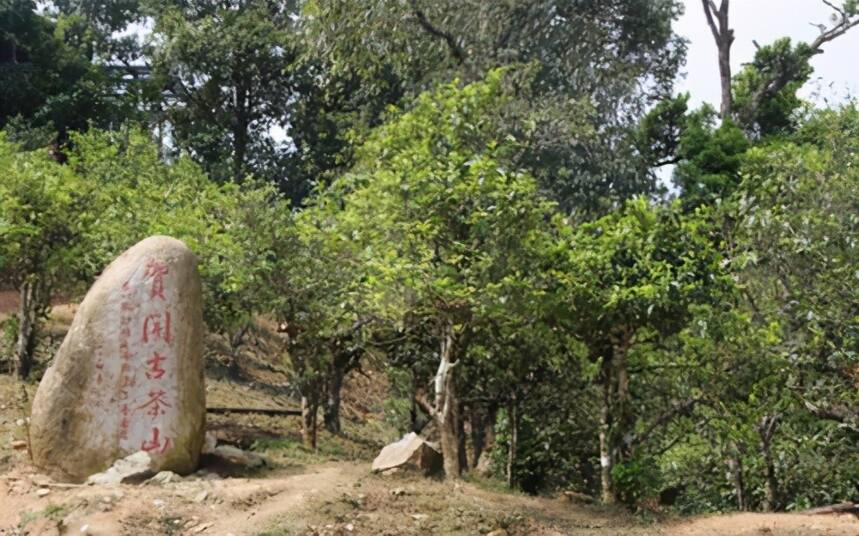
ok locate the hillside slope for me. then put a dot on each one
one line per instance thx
(327, 492)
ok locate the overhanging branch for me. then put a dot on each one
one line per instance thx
(448, 38)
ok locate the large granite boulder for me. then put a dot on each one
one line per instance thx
(129, 374)
(411, 452)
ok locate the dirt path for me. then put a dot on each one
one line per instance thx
(767, 524)
(205, 504)
(342, 498)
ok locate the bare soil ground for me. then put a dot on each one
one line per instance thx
(8, 301)
(326, 492)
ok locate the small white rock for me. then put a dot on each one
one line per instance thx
(42, 492)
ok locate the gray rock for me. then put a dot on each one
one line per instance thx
(209, 443)
(129, 374)
(410, 452)
(237, 456)
(164, 477)
(134, 468)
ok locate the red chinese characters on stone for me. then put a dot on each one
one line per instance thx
(126, 381)
(157, 326)
(155, 443)
(155, 371)
(156, 403)
(155, 272)
(124, 422)
(145, 326)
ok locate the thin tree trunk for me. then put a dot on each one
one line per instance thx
(624, 420)
(331, 413)
(735, 467)
(447, 405)
(461, 439)
(489, 426)
(513, 416)
(727, 104)
(616, 418)
(717, 19)
(413, 411)
(478, 434)
(27, 325)
(236, 340)
(770, 500)
(605, 435)
(766, 429)
(308, 421)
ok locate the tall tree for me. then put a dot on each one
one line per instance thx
(51, 83)
(443, 229)
(625, 280)
(226, 69)
(45, 223)
(614, 56)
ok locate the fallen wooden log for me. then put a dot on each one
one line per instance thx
(261, 411)
(840, 508)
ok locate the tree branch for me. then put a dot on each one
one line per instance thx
(421, 401)
(681, 408)
(779, 80)
(709, 10)
(837, 414)
(454, 47)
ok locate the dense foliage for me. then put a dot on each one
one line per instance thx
(464, 195)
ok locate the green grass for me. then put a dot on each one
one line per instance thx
(359, 442)
(54, 512)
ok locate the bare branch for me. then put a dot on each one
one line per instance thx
(781, 79)
(840, 29)
(724, 38)
(709, 10)
(836, 8)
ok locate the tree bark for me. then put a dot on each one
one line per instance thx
(446, 404)
(766, 430)
(416, 427)
(478, 434)
(735, 467)
(28, 317)
(308, 421)
(616, 418)
(489, 426)
(605, 433)
(461, 439)
(236, 341)
(513, 416)
(331, 410)
(717, 19)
